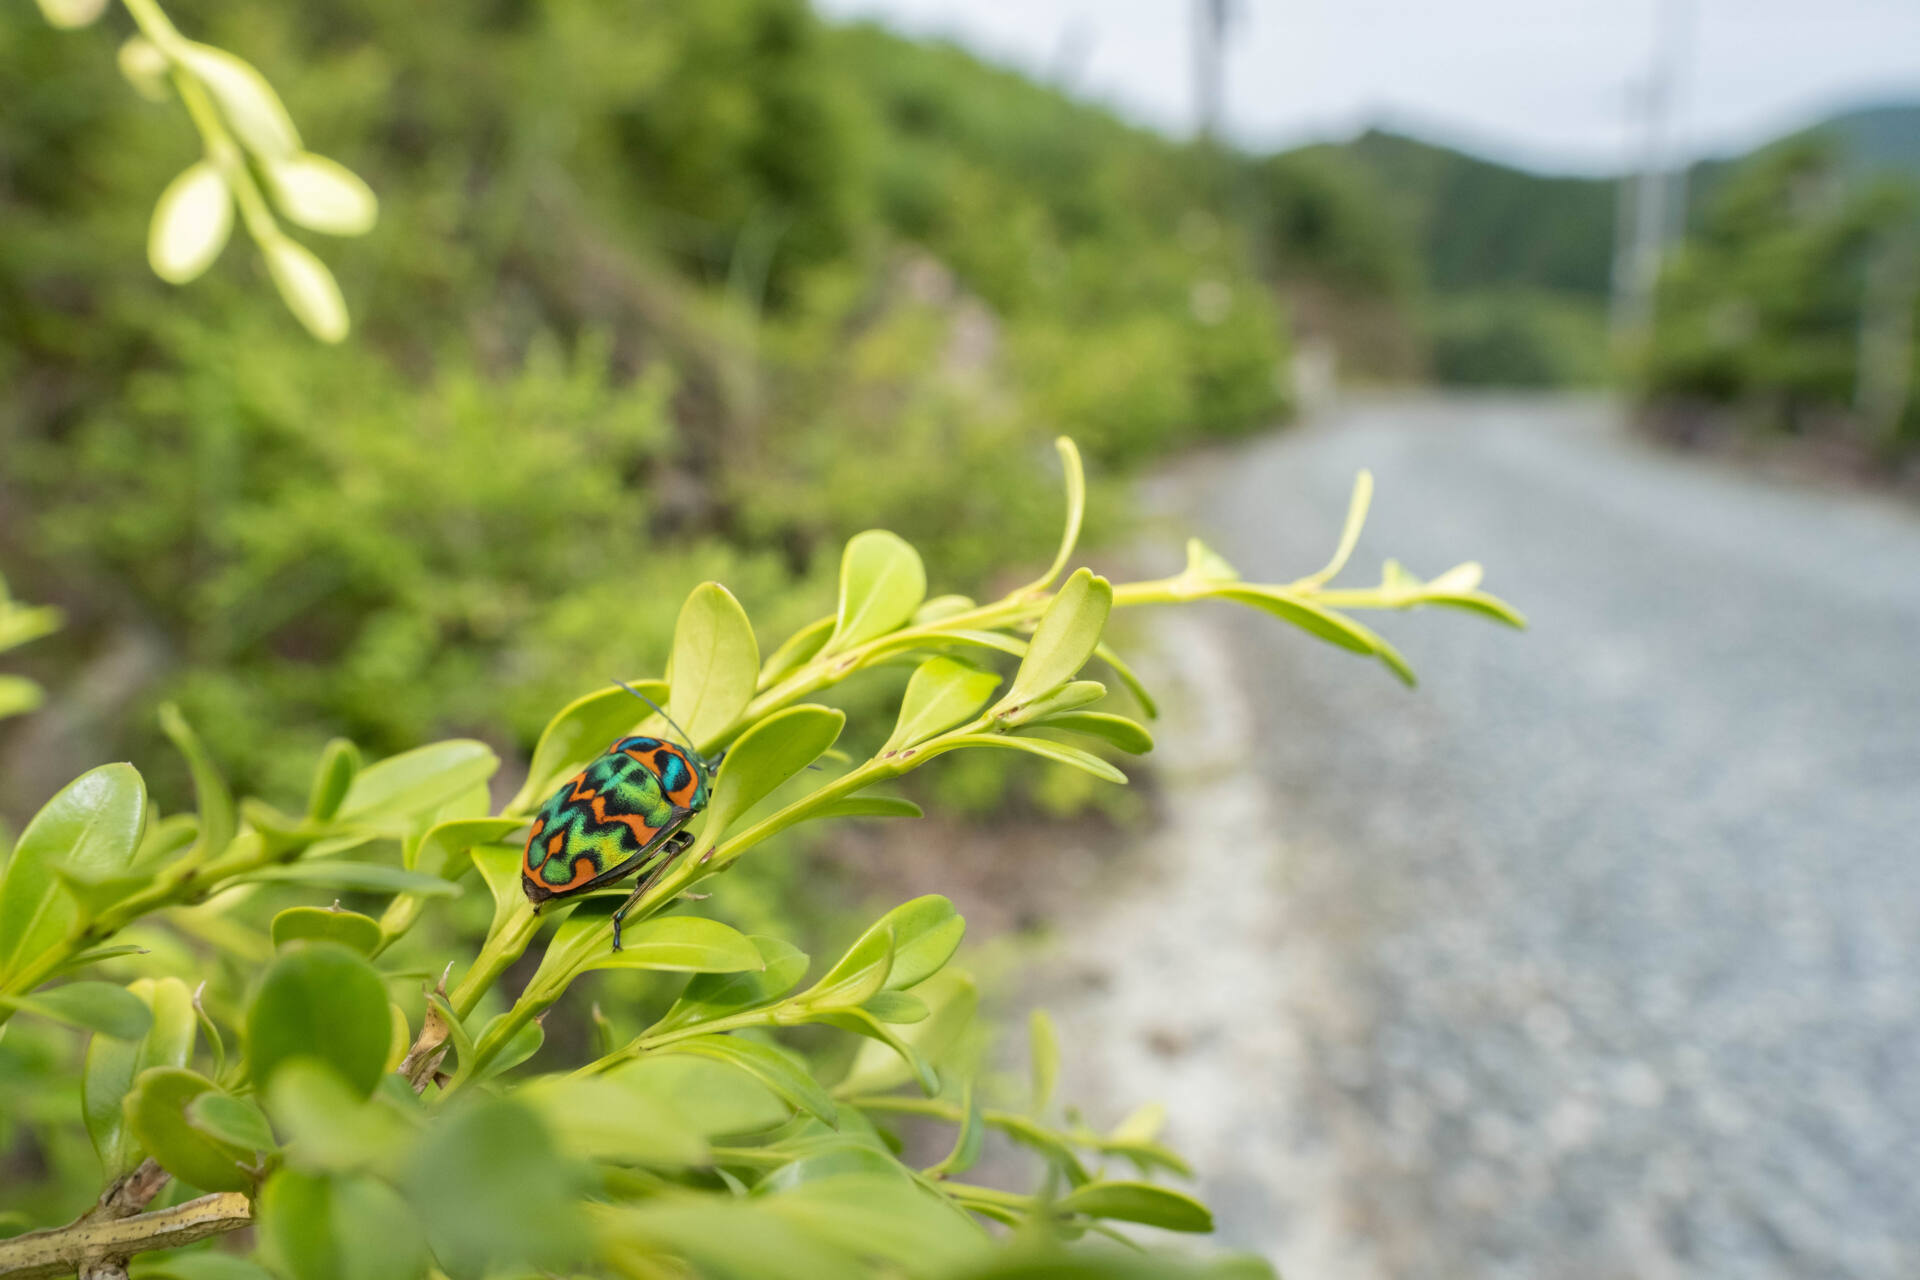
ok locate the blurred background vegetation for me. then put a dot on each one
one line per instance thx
(665, 291)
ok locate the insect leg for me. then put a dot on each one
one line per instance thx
(669, 853)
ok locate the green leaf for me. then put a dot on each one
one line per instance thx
(598, 1119)
(438, 852)
(942, 693)
(770, 1066)
(414, 782)
(19, 695)
(1043, 1047)
(1064, 640)
(1069, 696)
(1148, 707)
(322, 195)
(367, 877)
(323, 1001)
(307, 287)
(1350, 534)
(885, 1216)
(584, 729)
(197, 1264)
(941, 607)
(237, 1122)
(715, 663)
(865, 806)
(967, 1141)
(1059, 752)
(862, 1023)
(525, 1042)
(715, 995)
(690, 943)
(329, 1126)
(92, 826)
(1076, 478)
(897, 1007)
(327, 924)
(111, 1065)
(317, 1226)
(92, 1006)
(1329, 626)
(251, 107)
(157, 1115)
(882, 583)
(1207, 565)
(797, 651)
(926, 931)
(713, 1098)
(858, 974)
(339, 762)
(961, 637)
(1117, 731)
(191, 223)
(1141, 1202)
(733, 1238)
(766, 755)
(953, 998)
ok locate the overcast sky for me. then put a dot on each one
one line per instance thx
(1544, 82)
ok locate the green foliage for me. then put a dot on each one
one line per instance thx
(1519, 338)
(709, 1139)
(1763, 309)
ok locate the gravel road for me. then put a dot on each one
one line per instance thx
(1597, 956)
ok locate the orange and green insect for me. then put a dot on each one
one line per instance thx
(625, 813)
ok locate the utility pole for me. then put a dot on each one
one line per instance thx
(1659, 189)
(1210, 19)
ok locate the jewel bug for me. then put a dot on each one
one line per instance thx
(625, 813)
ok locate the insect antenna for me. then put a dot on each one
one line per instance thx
(686, 739)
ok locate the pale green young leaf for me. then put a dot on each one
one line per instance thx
(440, 851)
(1141, 1202)
(882, 583)
(1043, 1050)
(599, 1119)
(863, 1023)
(191, 223)
(855, 976)
(876, 1068)
(1071, 695)
(713, 1098)
(942, 693)
(865, 806)
(1115, 731)
(968, 1140)
(92, 826)
(583, 729)
(211, 796)
(690, 944)
(252, 109)
(71, 14)
(715, 663)
(715, 995)
(322, 195)
(1349, 533)
(1332, 627)
(307, 287)
(144, 66)
(772, 1067)
(766, 755)
(1064, 640)
(1207, 565)
(1076, 479)
(1059, 752)
(415, 782)
(797, 650)
(940, 607)
(901, 1008)
(339, 762)
(19, 695)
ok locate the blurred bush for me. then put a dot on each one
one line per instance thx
(658, 292)
(1793, 307)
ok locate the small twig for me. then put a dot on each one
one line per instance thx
(99, 1245)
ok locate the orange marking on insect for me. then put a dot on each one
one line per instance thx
(631, 821)
(553, 845)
